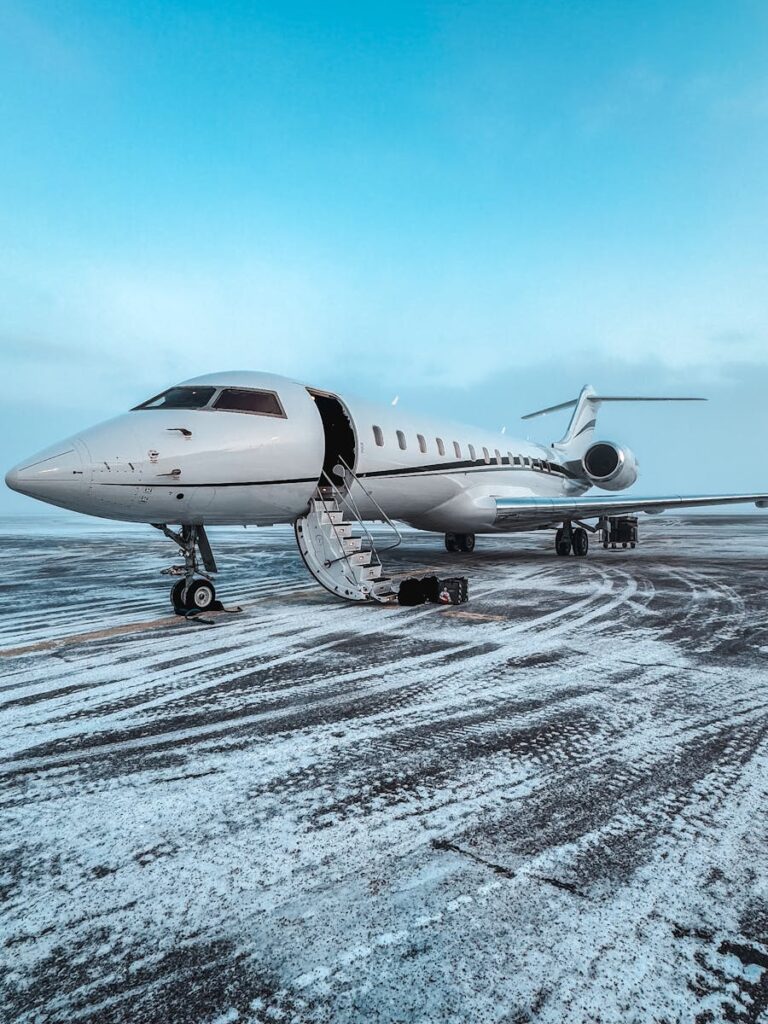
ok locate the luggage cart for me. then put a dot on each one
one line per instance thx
(620, 530)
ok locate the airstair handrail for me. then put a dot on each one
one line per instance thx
(367, 493)
(347, 500)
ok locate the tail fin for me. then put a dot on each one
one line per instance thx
(578, 437)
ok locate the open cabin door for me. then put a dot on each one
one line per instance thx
(339, 435)
(336, 545)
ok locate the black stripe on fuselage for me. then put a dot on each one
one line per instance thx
(438, 469)
(441, 468)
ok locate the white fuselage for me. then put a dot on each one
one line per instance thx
(214, 467)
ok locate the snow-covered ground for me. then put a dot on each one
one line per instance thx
(547, 805)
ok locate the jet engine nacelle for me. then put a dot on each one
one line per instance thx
(610, 466)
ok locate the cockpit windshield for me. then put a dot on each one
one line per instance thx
(179, 398)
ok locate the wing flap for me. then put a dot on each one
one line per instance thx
(541, 511)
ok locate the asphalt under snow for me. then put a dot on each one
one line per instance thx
(548, 805)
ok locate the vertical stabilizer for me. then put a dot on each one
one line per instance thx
(581, 428)
(578, 436)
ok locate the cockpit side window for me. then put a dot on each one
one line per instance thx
(260, 403)
(179, 398)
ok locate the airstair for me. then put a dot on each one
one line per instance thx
(337, 546)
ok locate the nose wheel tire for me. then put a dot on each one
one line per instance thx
(460, 542)
(201, 594)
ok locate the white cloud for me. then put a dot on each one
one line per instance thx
(129, 328)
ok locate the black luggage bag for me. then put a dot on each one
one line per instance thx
(414, 590)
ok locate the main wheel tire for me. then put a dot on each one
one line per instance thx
(451, 543)
(466, 541)
(562, 542)
(200, 595)
(580, 542)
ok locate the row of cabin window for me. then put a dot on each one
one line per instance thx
(513, 460)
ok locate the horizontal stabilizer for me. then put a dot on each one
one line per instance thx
(594, 399)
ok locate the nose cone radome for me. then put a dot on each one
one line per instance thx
(55, 475)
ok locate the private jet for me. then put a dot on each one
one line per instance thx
(257, 449)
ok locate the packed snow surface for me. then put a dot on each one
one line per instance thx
(547, 805)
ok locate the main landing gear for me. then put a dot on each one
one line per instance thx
(568, 539)
(460, 542)
(189, 595)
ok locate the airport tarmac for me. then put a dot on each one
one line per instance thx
(546, 805)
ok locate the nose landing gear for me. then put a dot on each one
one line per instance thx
(189, 595)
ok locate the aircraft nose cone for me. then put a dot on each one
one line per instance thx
(52, 475)
(12, 479)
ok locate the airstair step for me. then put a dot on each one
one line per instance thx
(369, 572)
(351, 544)
(333, 518)
(360, 558)
(325, 505)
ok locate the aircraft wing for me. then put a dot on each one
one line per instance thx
(543, 511)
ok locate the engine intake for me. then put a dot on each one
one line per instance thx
(610, 466)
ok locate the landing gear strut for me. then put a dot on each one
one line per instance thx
(568, 539)
(190, 595)
(460, 542)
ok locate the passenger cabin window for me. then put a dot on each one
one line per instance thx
(179, 398)
(457, 449)
(440, 445)
(378, 436)
(422, 442)
(516, 460)
(258, 403)
(401, 440)
(486, 456)
(526, 461)
(472, 452)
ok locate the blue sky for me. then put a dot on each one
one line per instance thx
(478, 206)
